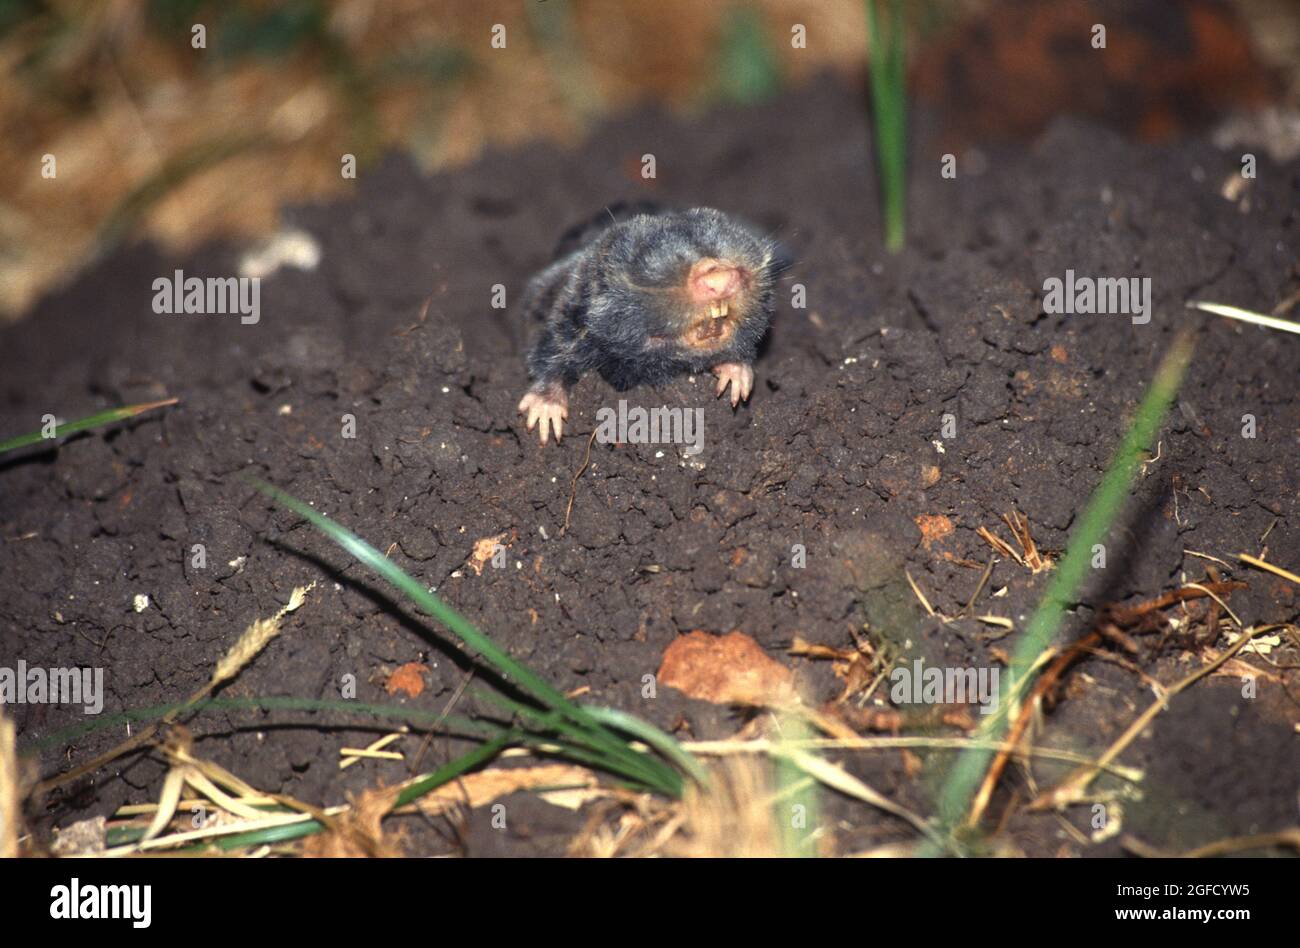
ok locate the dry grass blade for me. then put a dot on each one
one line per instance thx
(1019, 527)
(925, 603)
(979, 587)
(10, 800)
(373, 751)
(837, 778)
(731, 817)
(731, 748)
(1028, 555)
(999, 545)
(1245, 316)
(1222, 605)
(1269, 567)
(168, 799)
(205, 778)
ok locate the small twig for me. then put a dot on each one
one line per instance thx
(424, 313)
(1221, 603)
(1045, 683)
(1286, 305)
(573, 488)
(1127, 615)
(1223, 847)
(979, 587)
(1070, 790)
(1084, 646)
(446, 710)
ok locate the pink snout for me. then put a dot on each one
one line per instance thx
(714, 280)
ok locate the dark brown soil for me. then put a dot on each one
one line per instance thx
(834, 451)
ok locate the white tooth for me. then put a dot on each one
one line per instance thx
(723, 308)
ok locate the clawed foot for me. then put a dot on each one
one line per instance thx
(739, 376)
(550, 406)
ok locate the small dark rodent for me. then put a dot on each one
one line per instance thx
(641, 297)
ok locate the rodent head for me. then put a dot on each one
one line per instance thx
(694, 275)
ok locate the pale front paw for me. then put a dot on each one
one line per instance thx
(739, 376)
(549, 406)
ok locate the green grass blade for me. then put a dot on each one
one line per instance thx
(1105, 505)
(889, 108)
(513, 670)
(647, 732)
(627, 763)
(795, 803)
(93, 421)
(66, 735)
(429, 603)
(454, 769)
(747, 68)
(270, 835)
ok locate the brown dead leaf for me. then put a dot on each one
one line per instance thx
(728, 669)
(409, 678)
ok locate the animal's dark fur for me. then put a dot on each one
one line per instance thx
(618, 303)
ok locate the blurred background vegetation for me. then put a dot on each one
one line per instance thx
(158, 139)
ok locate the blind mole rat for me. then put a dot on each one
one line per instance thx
(644, 298)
